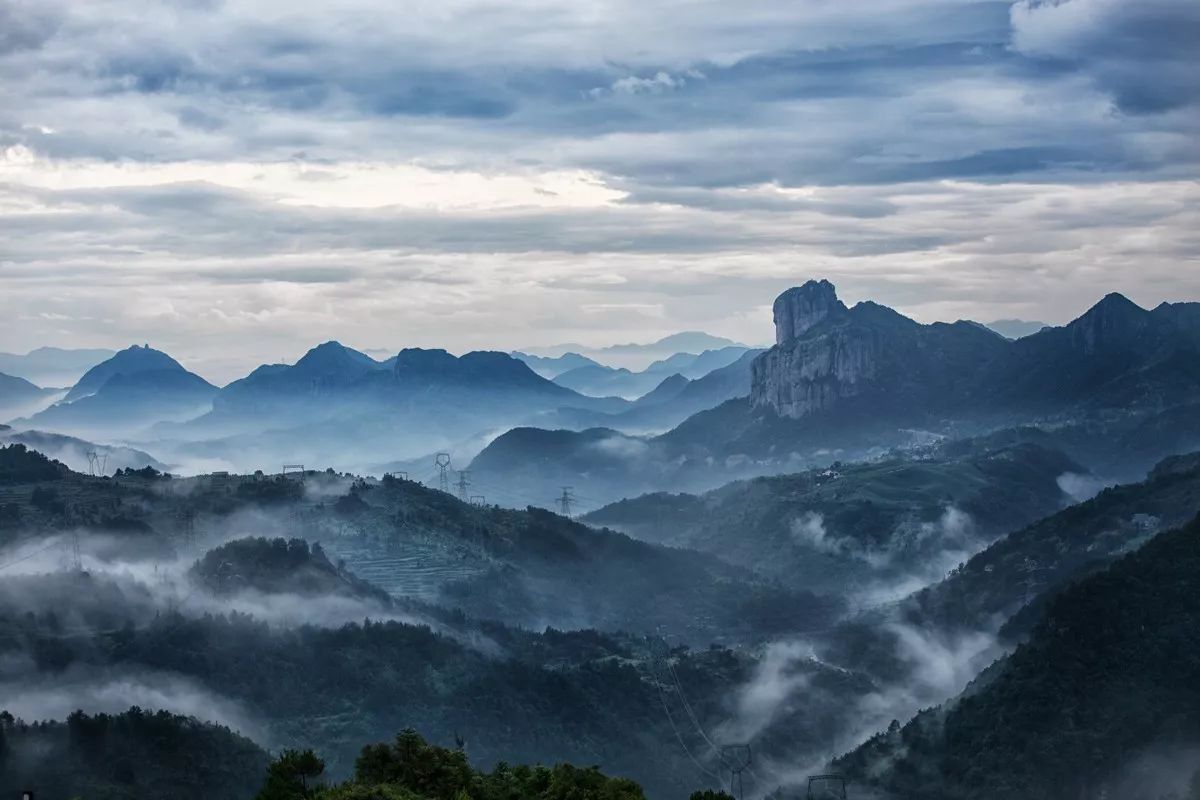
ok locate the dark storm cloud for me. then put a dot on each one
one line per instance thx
(1144, 54)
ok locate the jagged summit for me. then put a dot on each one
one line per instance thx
(800, 308)
(881, 364)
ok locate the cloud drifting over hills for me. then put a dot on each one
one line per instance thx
(224, 173)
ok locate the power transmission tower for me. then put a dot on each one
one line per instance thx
(478, 500)
(565, 500)
(736, 758)
(442, 461)
(93, 460)
(464, 483)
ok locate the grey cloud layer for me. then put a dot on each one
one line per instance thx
(954, 157)
(797, 92)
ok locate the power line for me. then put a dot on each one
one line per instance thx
(679, 736)
(687, 707)
(50, 546)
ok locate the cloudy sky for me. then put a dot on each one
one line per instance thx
(235, 181)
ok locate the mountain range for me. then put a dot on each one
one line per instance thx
(473, 643)
(869, 361)
(125, 395)
(839, 383)
(336, 405)
(598, 380)
(849, 383)
(415, 402)
(637, 356)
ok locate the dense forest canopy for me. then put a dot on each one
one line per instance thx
(1110, 672)
(133, 755)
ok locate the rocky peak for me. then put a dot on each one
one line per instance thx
(800, 308)
(1116, 321)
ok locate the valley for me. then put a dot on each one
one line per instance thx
(809, 577)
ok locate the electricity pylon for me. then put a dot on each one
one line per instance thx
(442, 461)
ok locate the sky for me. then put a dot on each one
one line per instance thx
(234, 182)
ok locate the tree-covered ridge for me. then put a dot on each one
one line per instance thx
(820, 528)
(1065, 546)
(525, 567)
(136, 755)
(19, 464)
(285, 566)
(409, 768)
(554, 697)
(1111, 671)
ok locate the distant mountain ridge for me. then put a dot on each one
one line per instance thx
(639, 356)
(553, 366)
(598, 380)
(18, 396)
(125, 395)
(339, 406)
(53, 366)
(1015, 328)
(130, 361)
(870, 360)
(847, 383)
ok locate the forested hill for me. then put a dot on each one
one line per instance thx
(529, 567)
(280, 566)
(136, 755)
(1062, 547)
(140, 755)
(553, 697)
(818, 528)
(1110, 673)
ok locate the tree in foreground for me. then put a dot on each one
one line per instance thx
(409, 768)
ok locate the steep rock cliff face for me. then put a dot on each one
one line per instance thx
(799, 309)
(873, 363)
(868, 359)
(802, 376)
